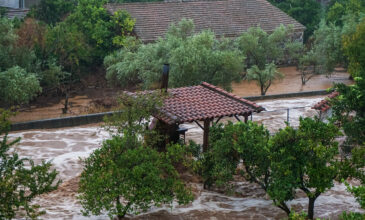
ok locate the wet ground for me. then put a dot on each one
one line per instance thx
(66, 146)
(293, 83)
(83, 101)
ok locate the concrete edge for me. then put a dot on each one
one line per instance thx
(289, 95)
(98, 117)
(60, 122)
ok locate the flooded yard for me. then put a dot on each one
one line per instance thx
(65, 147)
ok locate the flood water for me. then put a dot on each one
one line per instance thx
(65, 146)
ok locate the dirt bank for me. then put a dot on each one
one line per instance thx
(87, 99)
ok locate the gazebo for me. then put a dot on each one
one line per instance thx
(204, 102)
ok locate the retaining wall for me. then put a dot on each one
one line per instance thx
(98, 117)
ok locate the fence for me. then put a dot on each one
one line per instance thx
(278, 118)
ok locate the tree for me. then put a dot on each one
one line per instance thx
(264, 50)
(12, 54)
(325, 53)
(99, 27)
(18, 86)
(306, 12)
(192, 57)
(264, 77)
(349, 109)
(68, 46)
(339, 10)
(303, 159)
(125, 180)
(52, 11)
(20, 179)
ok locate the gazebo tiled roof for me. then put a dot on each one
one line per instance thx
(324, 105)
(226, 18)
(202, 102)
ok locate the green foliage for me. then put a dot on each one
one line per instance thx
(3, 12)
(20, 179)
(292, 159)
(52, 11)
(298, 216)
(325, 53)
(305, 158)
(192, 57)
(18, 86)
(121, 180)
(354, 45)
(124, 23)
(265, 77)
(10, 54)
(262, 48)
(339, 10)
(352, 216)
(68, 45)
(306, 12)
(99, 27)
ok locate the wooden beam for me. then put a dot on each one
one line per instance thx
(246, 118)
(199, 125)
(238, 119)
(219, 119)
(206, 135)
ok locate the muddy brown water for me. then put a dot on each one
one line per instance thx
(65, 147)
(82, 103)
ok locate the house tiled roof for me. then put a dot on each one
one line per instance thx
(227, 18)
(205, 101)
(324, 104)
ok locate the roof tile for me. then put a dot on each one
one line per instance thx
(228, 18)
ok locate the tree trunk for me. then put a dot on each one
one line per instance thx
(285, 208)
(262, 90)
(311, 208)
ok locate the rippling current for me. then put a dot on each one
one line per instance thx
(65, 147)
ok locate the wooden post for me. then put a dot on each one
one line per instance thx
(246, 118)
(206, 135)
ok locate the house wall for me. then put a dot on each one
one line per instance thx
(9, 3)
(18, 3)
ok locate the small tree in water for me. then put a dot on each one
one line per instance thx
(265, 77)
(263, 51)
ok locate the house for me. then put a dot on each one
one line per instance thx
(226, 18)
(18, 4)
(17, 8)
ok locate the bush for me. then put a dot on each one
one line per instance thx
(18, 86)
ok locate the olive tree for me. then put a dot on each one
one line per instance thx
(192, 57)
(21, 180)
(263, 51)
(264, 77)
(324, 54)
